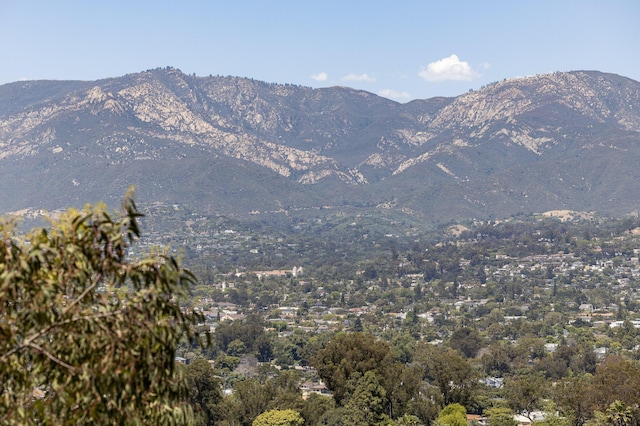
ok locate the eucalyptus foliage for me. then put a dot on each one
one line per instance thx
(88, 332)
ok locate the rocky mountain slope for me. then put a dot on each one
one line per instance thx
(237, 146)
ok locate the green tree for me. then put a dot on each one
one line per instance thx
(314, 407)
(357, 325)
(524, 393)
(335, 417)
(204, 390)
(450, 372)
(249, 331)
(552, 417)
(574, 398)
(367, 405)
(407, 420)
(405, 389)
(452, 415)
(497, 361)
(616, 379)
(86, 328)
(347, 355)
(619, 414)
(225, 362)
(286, 391)
(499, 416)
(279, 418)
(426, 404)
(236, 348)
(250, 398)
(467, 341)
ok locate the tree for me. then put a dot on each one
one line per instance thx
(88, 333)
(279, 418)
(497, 361)
(582, 396)
(236, 348)
(334, 417)
(452, 415)
(407, 420)
(552, 417)
(250, 398)
(616, 379)
(367, 405)
(426, 404)
(349, 356)
(405, 389)
(619, 414)
(499, 416)
(250, 332)
(285, 391)
(314, 407)
(467, 341)
(450, 372)
(357, 325)
(574, 397)
(204, 390)
(524, 393)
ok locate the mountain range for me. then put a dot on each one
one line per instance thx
(236, 146)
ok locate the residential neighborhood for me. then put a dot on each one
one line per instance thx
(542, 297)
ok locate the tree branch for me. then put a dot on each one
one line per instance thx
(29, 340)
(51, 356)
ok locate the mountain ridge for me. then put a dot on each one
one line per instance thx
(547, 142)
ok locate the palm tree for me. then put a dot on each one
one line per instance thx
(619, 414)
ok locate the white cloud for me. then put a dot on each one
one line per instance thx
(359, 77)
(394, 94)
(450, 68)
(321, 76)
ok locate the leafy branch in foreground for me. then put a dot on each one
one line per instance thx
(87, 334)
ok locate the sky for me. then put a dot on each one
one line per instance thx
(399, 49)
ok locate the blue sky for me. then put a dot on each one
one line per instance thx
(398, 49)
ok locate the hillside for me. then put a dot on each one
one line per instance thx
(237, 146)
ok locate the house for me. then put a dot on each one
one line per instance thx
(525, 421)
(586, 307)
(308, 388)
(477, 420)
(288, 311)
(276, 273)
(493, 382)
(231, 316)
